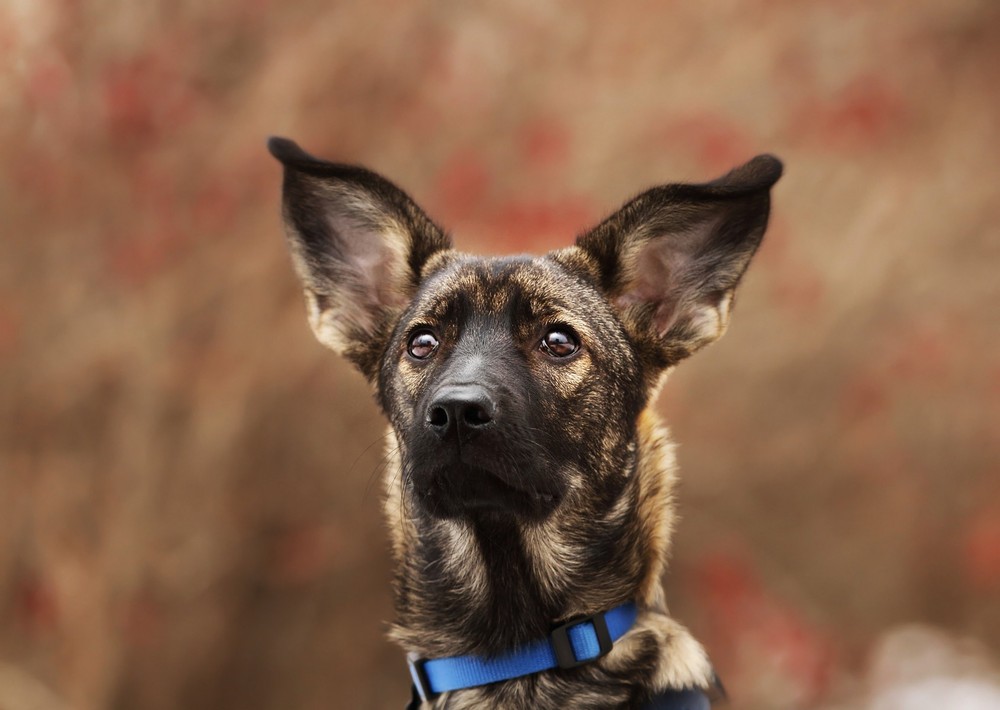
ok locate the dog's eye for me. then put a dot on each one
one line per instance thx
(559, 343)
(422, 344)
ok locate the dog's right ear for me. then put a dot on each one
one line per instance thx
(359, 244)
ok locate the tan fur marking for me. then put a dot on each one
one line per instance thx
(465, 560)
(401, 527)
(683, 662)
(657, 472)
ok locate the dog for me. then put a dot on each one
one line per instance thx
(529, 491)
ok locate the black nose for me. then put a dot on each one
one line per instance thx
(460, 410)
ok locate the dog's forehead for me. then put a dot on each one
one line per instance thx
(534, 286)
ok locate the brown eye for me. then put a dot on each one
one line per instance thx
(422, 344)
(559, 343)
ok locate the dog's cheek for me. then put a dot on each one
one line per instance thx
(564, 390)
(400, 388)
(608, 419)
(583, 410)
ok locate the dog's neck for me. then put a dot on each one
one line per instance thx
(487, 584)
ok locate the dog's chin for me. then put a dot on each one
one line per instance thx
(465, 491)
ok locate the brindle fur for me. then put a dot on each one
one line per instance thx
(563, 506)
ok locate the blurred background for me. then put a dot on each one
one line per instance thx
(189, 483)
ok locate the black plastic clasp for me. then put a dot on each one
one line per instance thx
(419, 675)
(563, 647)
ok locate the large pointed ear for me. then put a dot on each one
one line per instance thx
(670, 259)
(359, 244)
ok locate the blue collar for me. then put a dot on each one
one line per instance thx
(574, 643)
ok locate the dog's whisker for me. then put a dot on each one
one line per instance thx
(379, 467)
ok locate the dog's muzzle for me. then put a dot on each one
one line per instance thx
(474, 452)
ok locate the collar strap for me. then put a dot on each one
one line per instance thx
(571, 644)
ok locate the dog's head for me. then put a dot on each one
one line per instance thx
(514, 384)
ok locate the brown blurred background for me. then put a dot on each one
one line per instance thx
(189, 484)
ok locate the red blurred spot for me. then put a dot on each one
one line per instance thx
(162, 232)
(462, 186)
(715, 142)
(726, 582)
(864, 397)
(922, 354)
(755, 634)
(530, 225)
(544, 143)
(8, 41)
(129, 109)
(862, 114)
(35, 605)
(148, 95)
(304, 553)
(145, 256)
(799, 289)
(143, 622)
(215, 208)
(800, 650)
(416, 116)
(46, 83)
(980, 553)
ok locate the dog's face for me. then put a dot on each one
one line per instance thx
(511, 386)
(514, 384)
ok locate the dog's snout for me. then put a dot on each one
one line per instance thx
(460, 410)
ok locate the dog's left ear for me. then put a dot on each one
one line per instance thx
(359, 245)
(670, 259)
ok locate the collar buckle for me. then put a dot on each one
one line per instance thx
(418, 673)
(563, 646)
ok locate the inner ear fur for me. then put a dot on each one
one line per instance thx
(670, 259)
(359, 245)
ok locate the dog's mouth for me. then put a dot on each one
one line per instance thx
(464, 489)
